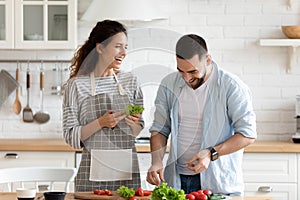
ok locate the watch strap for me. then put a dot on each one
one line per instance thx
(213, 154)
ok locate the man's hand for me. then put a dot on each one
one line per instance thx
(155, 174)
(200, 161)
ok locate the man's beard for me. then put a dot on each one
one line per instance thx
(200, 81)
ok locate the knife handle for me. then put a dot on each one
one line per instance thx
(42, 75)
(27, 79)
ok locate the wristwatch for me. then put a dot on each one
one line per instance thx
(213, 154)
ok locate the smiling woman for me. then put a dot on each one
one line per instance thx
(93, 111)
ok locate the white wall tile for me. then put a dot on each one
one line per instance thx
(232, 29)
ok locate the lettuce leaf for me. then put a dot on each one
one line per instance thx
(132, 110)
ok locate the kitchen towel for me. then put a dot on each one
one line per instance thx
(111, 165)
(8, 85)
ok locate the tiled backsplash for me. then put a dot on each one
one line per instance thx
(232, 29)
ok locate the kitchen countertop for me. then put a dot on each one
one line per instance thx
(60, 145)
(256, 147)
(70, 196)
(34, 145)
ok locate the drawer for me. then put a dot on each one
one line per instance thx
(279, 191)
(33, 158)
(270, 167)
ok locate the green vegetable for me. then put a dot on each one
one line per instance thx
(131, 110)
(125, 192)
(216, 197)
(164, 192)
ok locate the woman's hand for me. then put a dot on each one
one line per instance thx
(133, 122)
(111, 118)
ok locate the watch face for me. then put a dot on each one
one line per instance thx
(214, 156)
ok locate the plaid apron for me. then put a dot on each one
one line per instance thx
(119, 137)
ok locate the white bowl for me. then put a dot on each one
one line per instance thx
(28, 193)
(33, 37)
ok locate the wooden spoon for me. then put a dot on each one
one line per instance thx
(17, 107)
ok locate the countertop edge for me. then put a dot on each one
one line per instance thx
(61, 145)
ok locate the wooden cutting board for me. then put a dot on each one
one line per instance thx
(91, 195)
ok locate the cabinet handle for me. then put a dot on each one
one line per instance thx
(11, 156)
(265, 189)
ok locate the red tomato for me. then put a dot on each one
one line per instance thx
(147, 192)
(190, 197)
(99, 192)
(95, 191)
(132, 198)
(207, 192)
(202, 196)
(200, 191)
(108, 192)
(139, 192)
(196, 194)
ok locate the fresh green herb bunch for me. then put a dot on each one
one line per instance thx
(125, 192)
(167, 193)
(131, 110)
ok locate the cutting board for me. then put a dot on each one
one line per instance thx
(91, 195)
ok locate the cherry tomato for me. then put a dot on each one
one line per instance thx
(147, 192)
(202, 196)
(190, 197)
(200, 191)
(197, 195)
(139, 192)
(95, 191)
(99, 192)
(108, 192)
(207, 192)
(132, 198)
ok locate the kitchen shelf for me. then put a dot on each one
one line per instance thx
(292, 45)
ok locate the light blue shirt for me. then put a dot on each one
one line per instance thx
(228, 109)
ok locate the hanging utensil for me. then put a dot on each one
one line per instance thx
(27, 112)
(120, 87)
(17, 106)
(41, 116)
(8, 85)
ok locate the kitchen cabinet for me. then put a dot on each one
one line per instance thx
(6, 24)
(271, 174)
(38, 24)
(39, 159)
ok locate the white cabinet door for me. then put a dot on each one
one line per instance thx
(38, 159)
(271, 174)
(6, 24)
(279, 191)
(41, 24)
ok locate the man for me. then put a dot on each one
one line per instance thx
(209, 115)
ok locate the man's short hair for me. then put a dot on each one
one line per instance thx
(190, 45)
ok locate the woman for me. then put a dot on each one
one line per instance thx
(93, 111)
